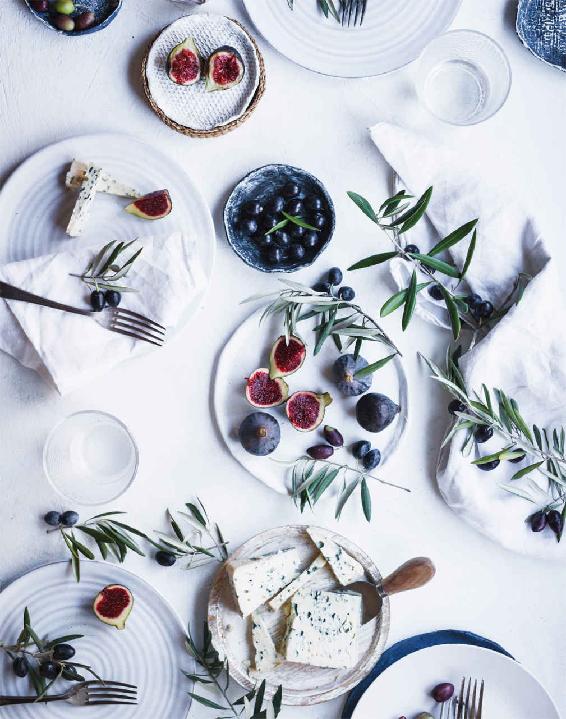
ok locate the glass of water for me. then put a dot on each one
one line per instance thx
(90, 457)
(463, 77)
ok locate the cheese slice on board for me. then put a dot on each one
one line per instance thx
(346, 569)
(266, 657)
(87, 193)
(257, 580)
(323, 629)
(107, 183)
(298, 583)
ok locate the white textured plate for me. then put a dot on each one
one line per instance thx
(249, 348)
(302, 685)
(392, 34)
(149, 652)
(511, 692)
(193, 106)
(36, 206)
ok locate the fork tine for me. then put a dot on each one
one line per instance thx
(467, 705)
(103, 682)
(109, 701)
(480, 703)
(461, 700)
(121, 317)
(135, 336)
(145, 320)
(145, 331)
(473, 704)
(117, 690)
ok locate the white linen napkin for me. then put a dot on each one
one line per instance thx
(525, 354)
(71, 349)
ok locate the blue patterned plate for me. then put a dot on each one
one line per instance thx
(541, 25)
(104, 12)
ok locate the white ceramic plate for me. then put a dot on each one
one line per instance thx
(36, 206)
(193, 106)
(248, 349)
(302, 685)
(392, 34)
(511, 692)
(149, 652)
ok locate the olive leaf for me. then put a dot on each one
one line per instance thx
(103, 271)
(410, 301)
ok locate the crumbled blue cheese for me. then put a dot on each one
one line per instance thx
(266, 657)
(84, 201)
(346, 569)
(298, 583)
(323, 629)
(256, 580)
(107, 183)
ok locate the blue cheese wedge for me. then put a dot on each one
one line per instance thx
(298, 583)
(266, 657)
(81, 210)
(107, 183)
(345, 568)
(255, 581)
(323, 629)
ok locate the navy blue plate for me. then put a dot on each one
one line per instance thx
(262, 185)
(104, 11)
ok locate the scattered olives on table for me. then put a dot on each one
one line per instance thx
(165, 559)
(99, 300)
(552, 519)
(443, 692)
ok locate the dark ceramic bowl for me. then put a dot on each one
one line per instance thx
(261, 185)
(104, 11)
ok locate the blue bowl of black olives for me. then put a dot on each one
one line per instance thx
(279, 218)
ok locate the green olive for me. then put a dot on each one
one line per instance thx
(424, 715)
(64, 7)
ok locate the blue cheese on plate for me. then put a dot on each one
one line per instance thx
(345, 568)
(107, 183)
(81, 210)
(323, 629)
(255, 581)
(266, 657)
(298, 583)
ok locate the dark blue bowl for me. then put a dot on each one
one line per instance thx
(541, 26)
(261, 185)
(104, 11)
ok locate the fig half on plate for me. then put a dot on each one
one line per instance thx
(226, 69)
(184, 64)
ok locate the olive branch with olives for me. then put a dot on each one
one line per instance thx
(481, 415)
(44, 661)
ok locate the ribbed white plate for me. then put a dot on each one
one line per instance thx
(248, 349)
(392, 34)
(36, 206)
(149, 652)
(511, 692)
(193, 106)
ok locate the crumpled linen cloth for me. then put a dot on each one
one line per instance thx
(71, 350)
(524, 354)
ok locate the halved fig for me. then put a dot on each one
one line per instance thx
(151, 207)
(113, 605)
(184, 64)
(305, 410)
(226, 69)
(286, 358)
(262, 391)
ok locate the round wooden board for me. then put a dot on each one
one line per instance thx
(302, 685)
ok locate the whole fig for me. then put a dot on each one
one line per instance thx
(375, 411)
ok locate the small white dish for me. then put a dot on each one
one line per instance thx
(511, 691)
(193, 107)
(148, 653)
(90, 458)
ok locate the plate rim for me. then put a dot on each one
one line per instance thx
(352, 75)
(467, 647)
(238, 673)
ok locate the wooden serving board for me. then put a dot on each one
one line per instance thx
(303, 685)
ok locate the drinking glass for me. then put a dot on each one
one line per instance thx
(463, 77)
(90, 457)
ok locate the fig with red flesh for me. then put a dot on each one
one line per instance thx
(113, 605)
(154, 206)
(305, 410)
(184, 63)
(262, 391)
(226, 69)
(286, 357)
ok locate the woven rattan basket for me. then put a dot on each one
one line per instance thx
(221, 129)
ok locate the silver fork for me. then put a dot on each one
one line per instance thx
(469, 704)
(115, 319)
(91, 693)
(353, 11)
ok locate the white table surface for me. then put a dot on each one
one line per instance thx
(53, 87)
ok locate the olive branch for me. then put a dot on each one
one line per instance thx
(496, 412)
